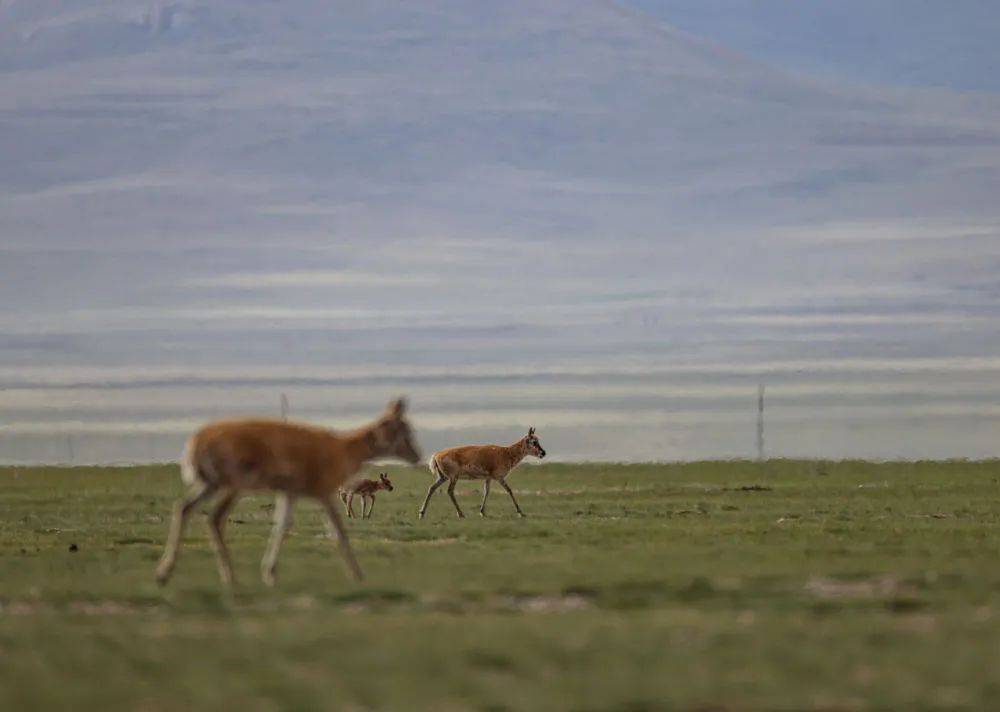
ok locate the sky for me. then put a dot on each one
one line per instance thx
(609, 221)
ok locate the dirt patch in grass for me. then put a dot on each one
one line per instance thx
(22, 608)
(441, 541)
(595, 491)
(379, 601)
(87, 608)
(880, 587)
(105, 608)
(562, 603)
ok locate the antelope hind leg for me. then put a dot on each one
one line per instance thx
(217, 525)
(182, 510)
(451, 493)
(433, 488)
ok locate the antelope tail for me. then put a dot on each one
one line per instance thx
(189, 471)
(435, 467)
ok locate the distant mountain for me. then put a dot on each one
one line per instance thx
(199, 122)
(199, 186)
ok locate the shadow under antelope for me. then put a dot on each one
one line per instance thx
(226, 458)
(366, 489)
(480, 462)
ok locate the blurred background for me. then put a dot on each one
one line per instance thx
(607, 220)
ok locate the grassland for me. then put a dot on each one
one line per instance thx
(780, 585)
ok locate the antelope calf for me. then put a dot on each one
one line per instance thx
(367, 489)
(227, 458)
(480, 462)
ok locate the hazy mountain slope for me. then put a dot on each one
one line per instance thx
(523, 185)
(191, 119)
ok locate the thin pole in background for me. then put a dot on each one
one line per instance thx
(760, 421)
(284, 407)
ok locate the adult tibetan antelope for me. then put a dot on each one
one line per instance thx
(229, 457)
(480, 462)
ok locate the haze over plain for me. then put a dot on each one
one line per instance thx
(562, 214)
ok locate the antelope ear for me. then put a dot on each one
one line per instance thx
(531, 431)
(397, 408)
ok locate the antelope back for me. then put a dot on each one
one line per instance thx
(264, 454)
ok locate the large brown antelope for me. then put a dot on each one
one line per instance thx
(480, 462)
(229, 457)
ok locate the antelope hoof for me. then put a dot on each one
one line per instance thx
(522, 515)
(162, 575)
(482, 514)
(420, 515)
(461, 516)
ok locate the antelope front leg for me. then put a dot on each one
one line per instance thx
(486, 493)
(451, 493)
(182, 510)
(282, 523)
(217, 526)
(503, 483)
(345, 544)
(433, 488)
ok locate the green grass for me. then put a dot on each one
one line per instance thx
(782, 585)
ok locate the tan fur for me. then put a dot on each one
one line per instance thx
(366, 489)
(480, 462)
(229, 457)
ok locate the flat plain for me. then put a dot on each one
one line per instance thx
(702, 586)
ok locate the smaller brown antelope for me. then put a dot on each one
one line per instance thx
(367, 489)
(230, 457)
(480, 462)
